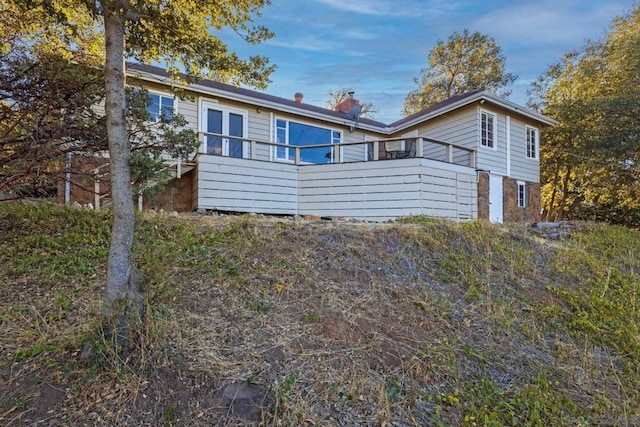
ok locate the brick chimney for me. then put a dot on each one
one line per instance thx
(298, 97)
(345, 106)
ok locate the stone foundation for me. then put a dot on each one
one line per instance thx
(483, 196)
(511, 211)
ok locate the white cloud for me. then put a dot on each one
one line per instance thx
(392, 8)
(568, 23)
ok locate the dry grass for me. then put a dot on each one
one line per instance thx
(424, 323)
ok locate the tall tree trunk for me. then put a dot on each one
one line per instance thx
(565, 195)
(554, 191)
(122, 298)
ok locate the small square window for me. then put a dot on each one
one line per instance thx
(161, 106)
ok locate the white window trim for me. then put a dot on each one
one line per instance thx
(213, 103)
(166, 95)
(495, 130)
(536, 151)
(522, 203)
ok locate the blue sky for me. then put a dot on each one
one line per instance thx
(377, 47)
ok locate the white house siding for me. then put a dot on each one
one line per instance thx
(522, 168)
(374, 191)
(377, 191)
(259, 130)
(189, 109)
(493, 159)
(241, 185)
(459, 128)
(449, 191)
(354, 153)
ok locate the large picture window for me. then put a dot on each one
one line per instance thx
(488, 129)
(301, 134)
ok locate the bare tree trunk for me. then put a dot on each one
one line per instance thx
(554, 191)
(565, 194)
(122, 298)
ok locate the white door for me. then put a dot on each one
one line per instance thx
(495, 199)
(224, 121)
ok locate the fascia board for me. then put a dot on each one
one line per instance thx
(476, 98)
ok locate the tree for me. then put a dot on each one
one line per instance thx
(178, 33)
(466, 62)
(335, 97)
(590, 162)
(47, 114)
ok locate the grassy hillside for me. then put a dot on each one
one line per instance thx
(422, 322)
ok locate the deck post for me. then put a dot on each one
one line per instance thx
(449, 153)
(297, 155)
(376, 150)
(96, 193)
(253, 149)
(419, 147)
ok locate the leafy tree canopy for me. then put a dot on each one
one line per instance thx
(590, 162)
(465, 62)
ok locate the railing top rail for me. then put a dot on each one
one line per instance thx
(341, 144)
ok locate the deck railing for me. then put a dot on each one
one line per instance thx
(344, 152)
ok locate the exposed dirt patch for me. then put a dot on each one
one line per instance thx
(340, 323)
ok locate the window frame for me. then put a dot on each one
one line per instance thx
(521, 196)
(494, 133)
(204, 105)
(174, 108)
(535, 153)
(336, 136)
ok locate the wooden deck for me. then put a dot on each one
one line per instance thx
(365, 190)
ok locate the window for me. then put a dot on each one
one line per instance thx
(522, 194)
(487, 129)
(532, 142)
(161, 106)
(298, 134)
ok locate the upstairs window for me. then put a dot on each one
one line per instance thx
(161, 106)
(532, 138)
(522, 194)
(487, 129)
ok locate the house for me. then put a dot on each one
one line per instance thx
(471, 156)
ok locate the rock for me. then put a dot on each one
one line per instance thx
(174, 214)
(246, 401)
(312, 217)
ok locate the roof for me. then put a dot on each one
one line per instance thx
(223, 90)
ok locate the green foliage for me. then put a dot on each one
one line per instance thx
(604, 305)
(492, 326)
(464, 63)
(589, 162)
(68, 243)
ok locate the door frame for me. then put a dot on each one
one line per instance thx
(496, 198)
(214, 105)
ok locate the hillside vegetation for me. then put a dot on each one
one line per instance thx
(420, 322)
